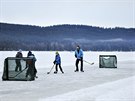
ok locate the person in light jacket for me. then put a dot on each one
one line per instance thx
(79, 57)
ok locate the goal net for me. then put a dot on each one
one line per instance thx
(19, 69)
(107, 61)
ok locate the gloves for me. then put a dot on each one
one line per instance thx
(76, 56)
(81, 58)
(54, 62)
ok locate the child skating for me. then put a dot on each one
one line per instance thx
(57, 62)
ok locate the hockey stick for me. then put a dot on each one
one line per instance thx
(88, 62)
(19, 73)
(50, 70)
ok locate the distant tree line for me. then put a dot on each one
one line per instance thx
(65, 37)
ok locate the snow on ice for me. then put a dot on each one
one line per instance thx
(95, 84)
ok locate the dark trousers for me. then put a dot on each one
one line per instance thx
(18, 65)
(77, 62)
(56, 67)
(32, 71)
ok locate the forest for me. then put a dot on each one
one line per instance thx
(65, 38)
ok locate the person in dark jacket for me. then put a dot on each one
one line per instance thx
(57, 61)
(79, 57)
(32, 71)
(29, 54)
(18, 61)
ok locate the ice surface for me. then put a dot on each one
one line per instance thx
(121, 90)
(95, 84)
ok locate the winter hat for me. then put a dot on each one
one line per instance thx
(30, 52)
(78, 47)
(20, 51)
(57, 53)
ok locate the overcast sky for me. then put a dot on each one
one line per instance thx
(103, 13)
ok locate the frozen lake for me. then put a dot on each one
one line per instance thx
(95, 84)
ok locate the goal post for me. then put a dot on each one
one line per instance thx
(107, 61)
(16, 69)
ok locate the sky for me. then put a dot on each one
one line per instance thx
(102, 13)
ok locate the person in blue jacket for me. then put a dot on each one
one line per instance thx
(57, 61)
(79, 57)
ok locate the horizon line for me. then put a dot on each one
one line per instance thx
(51, 25)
